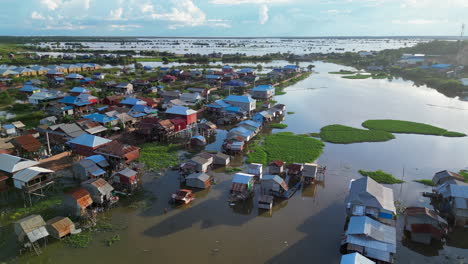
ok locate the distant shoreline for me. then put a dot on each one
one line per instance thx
(273, 37)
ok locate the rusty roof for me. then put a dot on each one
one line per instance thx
(28, 142)
(62, 224)
(116, 148)
(277, 163)
(166, 123)
(423, 211)
(78, 193)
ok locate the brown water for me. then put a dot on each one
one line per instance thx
(306, 228)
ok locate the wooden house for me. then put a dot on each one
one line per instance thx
(309, 172)
(242, 185)
(273, 185)
(125, 179)
(202, 164)
(87, 169)
(265, 202)
(33, 179)
(148, 127)
(221, 159)
(31, 229)
(87, 144)
(446, 176)
(59, 227)
(28, 146)
(198, 180)
(112, 99)
(276, 167)
(180, 124)
(295, 169)
(263, 92)
(124, 88)
(77, 201)
(424, 225)
(10, 164)
(100, 191)
(255, 169)
(118, 153)
(367, 197)
(355, 258)
(189, 115)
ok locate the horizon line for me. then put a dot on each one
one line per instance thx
(232, 37)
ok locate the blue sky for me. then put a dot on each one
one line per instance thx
(208, 18)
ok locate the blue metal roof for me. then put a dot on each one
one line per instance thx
(263, 88)
(291, 67)
(236, 83)
(239, 98)
(89, 140)
(251, 123)
(246, 70)
(143, 109)
(103, 119)
(8, 126)
(212, 76)
(29, 88)
(440, 66)
(96, 158)
(138, 115)
(87, 79)
(234, 109)
(79, 90)
(74, 76)
(132, 101)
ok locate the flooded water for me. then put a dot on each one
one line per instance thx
(306, 228)
(251, 46)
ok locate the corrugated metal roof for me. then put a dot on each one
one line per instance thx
(127, 172)
(239, 98)
(180, 110)
(28, 143)
(11, 164)
(242, 178)
(276, 179)
(370, 233)
(201, 176)
(368, 192)
(355, 258)
(33, 226)
(29, 173)
(103, 186)
(82, 197)
(62, 224)
(89, 140)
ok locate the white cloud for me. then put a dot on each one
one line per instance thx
(263, 14)
(65, 26)
(185, 14)
(238, 2)
(51, 4)
(420, 22)
(116, 14)
(124, 27)
(335, 11)
(36, 15)
(147, 8)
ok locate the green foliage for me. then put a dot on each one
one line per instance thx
(425, 182)
(316, 135)
(287, 147)
(408, 127)
(280, 92)
(36, 208)
(342, 72)
(291, 113)
(381, 177)
(231, 170)
(81, 240)
(30, 120)
(157, 157)
(464, 173)
(345, 135)
(110, 241)
(357, 76)
(21, 108)
(278, 126)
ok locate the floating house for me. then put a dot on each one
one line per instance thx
(424, 225)
(202, 163)
(59, 227)
(265, 202)
(367, 197)
(273, 185)
(446, 176)
(295, 169)
(126, 179)
(454, 200)
(242, 185)
(87, 169)
(263, 92)
(309, 172)
(27, 146)
(276, 167)
(255, 168)
(355, 258)
(31, 229)
(221, 159)
(77, 201)
(100, 191)
(118, 153)
(198, 180)
(370, 238)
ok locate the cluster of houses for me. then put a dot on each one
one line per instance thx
(68, 71)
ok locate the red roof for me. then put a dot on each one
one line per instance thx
(82, 197)
(178, 121)
(116, 148)
(427, 229)
(238, 187)
(28, 142)
(278, 163)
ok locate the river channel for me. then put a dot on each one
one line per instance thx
(306, 228)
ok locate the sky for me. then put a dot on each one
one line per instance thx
(233, 18)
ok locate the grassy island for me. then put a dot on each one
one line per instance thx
(408, 127)
(425, 182)
(278, 126)
(288, 147)
(158, 157)
(380, 176)
(345, 135)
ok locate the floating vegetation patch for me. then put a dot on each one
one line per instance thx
(380, 176)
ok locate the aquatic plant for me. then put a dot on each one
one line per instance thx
(288, 147)
(158, 157)
(36, 208)
(408, 127)
(342, 72)
(425, 182)
(380, 176)
(231, 170)
(464, 173)
(110, 241)
(278, 126)
(291, 113)
(81, 240)
(345, 135)
(357, 76)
